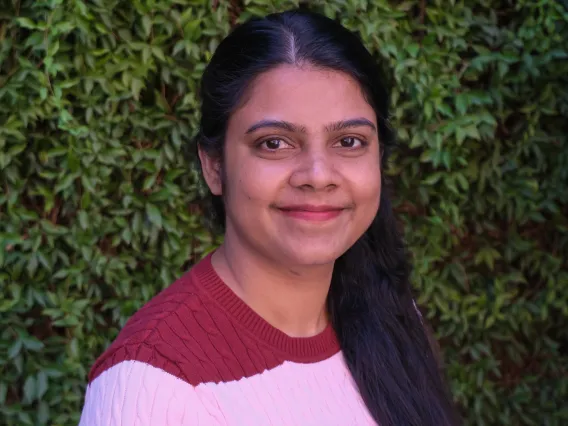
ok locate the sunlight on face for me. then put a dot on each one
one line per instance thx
(302, 166)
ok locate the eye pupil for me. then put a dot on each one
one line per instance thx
(273, 144)
(348, 142)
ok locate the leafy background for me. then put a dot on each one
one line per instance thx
(99, 201)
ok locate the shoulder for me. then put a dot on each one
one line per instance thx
(181, 331)
(133, 392)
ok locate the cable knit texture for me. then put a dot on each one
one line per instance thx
(196, 354)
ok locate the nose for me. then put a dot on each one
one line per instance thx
(315, 171)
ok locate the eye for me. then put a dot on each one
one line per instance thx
(274, 144)
(351, 142)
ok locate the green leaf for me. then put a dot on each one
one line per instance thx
(33, 344)
(3, 392)
(24, 418)
(42, 384)
(26, 23)
(149, 182)
(83, 219)
(15, 349)
(147, 25)
(43, 413)
(65, 183)
(413, 49)
(30, 389)
(154, 215)
(158, 53)
(432, 179)
(136, 87)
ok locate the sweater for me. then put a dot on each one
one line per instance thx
(196, 354)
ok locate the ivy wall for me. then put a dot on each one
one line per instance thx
(99, 196)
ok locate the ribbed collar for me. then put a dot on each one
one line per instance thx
(297, 349)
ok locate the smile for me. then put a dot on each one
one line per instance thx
(312, 213)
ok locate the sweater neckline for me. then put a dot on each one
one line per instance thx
(298, 349)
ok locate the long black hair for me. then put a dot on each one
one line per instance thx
(370, 302)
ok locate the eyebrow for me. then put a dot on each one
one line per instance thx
(291, 127)
(346, 124)
(285, 125)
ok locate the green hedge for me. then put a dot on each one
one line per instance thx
(99, 203)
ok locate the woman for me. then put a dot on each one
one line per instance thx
(304, 315)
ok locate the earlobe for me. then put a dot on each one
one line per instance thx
(211, 168)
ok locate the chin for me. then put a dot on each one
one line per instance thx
(312, 255)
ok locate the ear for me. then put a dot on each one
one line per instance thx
(211, 168)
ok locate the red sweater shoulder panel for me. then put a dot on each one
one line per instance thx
(199, 331)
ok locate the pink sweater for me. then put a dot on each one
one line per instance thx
(196, 354)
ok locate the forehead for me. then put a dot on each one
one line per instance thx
(307, 96)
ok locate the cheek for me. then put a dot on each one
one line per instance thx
(368, 200)
(366, 184)
(255, 182)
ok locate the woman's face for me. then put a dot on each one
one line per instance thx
(301, 166)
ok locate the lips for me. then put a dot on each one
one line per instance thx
(316, 213)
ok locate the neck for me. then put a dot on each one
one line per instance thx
(292, 299)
